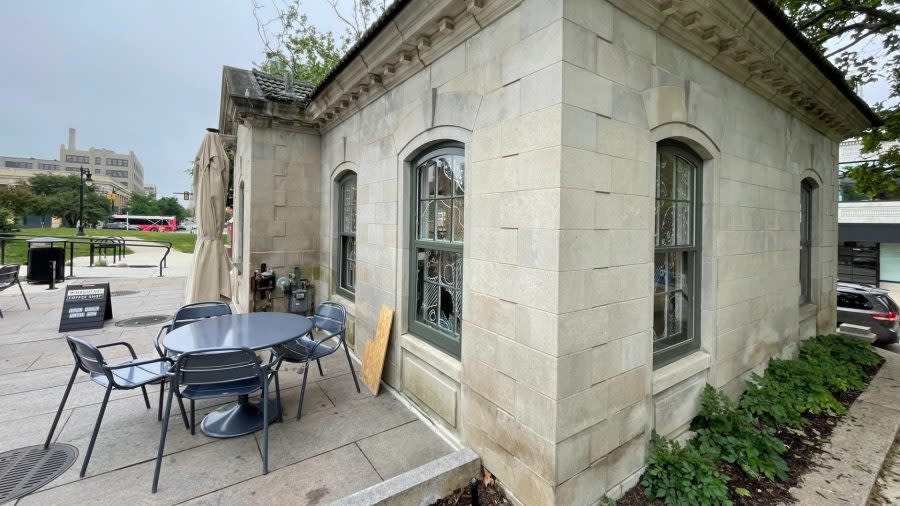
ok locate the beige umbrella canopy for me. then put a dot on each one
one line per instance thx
(209, 276)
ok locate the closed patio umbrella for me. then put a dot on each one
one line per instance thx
(209, 276)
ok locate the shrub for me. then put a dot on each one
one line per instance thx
(681, 475)
(727, 433)
(787, 390)
(841, 359)
(7, 219)
(849, 349)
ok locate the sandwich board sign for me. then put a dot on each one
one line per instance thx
(86, 307)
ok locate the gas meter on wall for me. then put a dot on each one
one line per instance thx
(301, 298)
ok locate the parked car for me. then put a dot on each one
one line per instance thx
(120, 226)
(187, 226)
(871, 307)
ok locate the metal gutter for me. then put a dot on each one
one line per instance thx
(778, 18)
(386, 18)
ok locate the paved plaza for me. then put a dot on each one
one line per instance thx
(345, 442)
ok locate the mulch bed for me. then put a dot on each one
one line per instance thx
(803, 446)
(490, 494)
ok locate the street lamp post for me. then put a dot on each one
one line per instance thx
(85, 175)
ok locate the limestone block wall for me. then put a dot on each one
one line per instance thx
(280, 169)
(559, 105)
(623, 90)
(242, 212)
(499, 93)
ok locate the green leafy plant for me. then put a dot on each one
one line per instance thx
(6, 219)
(732, 435)
(844, 349)
(682, 475)
(788, 390)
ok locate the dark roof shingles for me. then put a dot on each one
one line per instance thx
(273, 89)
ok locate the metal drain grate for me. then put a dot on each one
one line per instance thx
(143, 321)
(24, 470)
(121, 293)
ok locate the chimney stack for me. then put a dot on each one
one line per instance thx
(289, 81)
(71, 138)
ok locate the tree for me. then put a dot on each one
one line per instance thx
(149, 205)
(292, 43)
(60, 198)
(169, 206)
(142, 205)
(19, 200)
(846, 31)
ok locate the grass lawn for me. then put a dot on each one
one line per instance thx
(16, 250)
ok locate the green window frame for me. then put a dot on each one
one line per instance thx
(677, 253)
(806, 200)
(437, 231)
(346, 226)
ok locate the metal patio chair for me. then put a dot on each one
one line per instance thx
(219, 372)
(9, 276)
(135, 373)
(329, 323)
(186, 315)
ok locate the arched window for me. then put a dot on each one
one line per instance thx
(347, 232)
(437, 234)
(806, 199)
(676, 304)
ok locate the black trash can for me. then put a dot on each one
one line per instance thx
(42, 251)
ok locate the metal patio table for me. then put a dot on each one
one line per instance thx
(256, 331)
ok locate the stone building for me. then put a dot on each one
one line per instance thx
(581, 211)
(15, 170)
(868, 230)
(124, 168)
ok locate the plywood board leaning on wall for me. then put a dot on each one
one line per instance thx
(375, 350)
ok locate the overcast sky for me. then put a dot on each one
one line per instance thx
(141, 75)
(128, 75)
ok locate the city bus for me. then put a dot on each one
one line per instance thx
(146, 223)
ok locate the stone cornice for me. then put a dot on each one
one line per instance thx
(420, 34)
(737, 39)
(260, 113)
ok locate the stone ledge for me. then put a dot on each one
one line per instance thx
(682, 369)
(846, 472)
(423, 485)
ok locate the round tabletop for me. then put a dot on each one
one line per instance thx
(248, 330)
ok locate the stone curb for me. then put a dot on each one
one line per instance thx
(421, 486)
(845, 474)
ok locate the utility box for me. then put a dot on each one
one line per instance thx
(301, 300)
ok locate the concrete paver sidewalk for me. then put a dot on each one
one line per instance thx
(346, 441)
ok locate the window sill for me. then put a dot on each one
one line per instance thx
(432, 356)
(671, 374)
(348, 304)
(808, 311)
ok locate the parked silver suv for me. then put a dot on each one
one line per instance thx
(870, 307)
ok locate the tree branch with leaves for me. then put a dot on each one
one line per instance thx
(292, 43)
(862, 39)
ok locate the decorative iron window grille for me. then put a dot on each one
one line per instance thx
(676, 273)
(438, 231)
